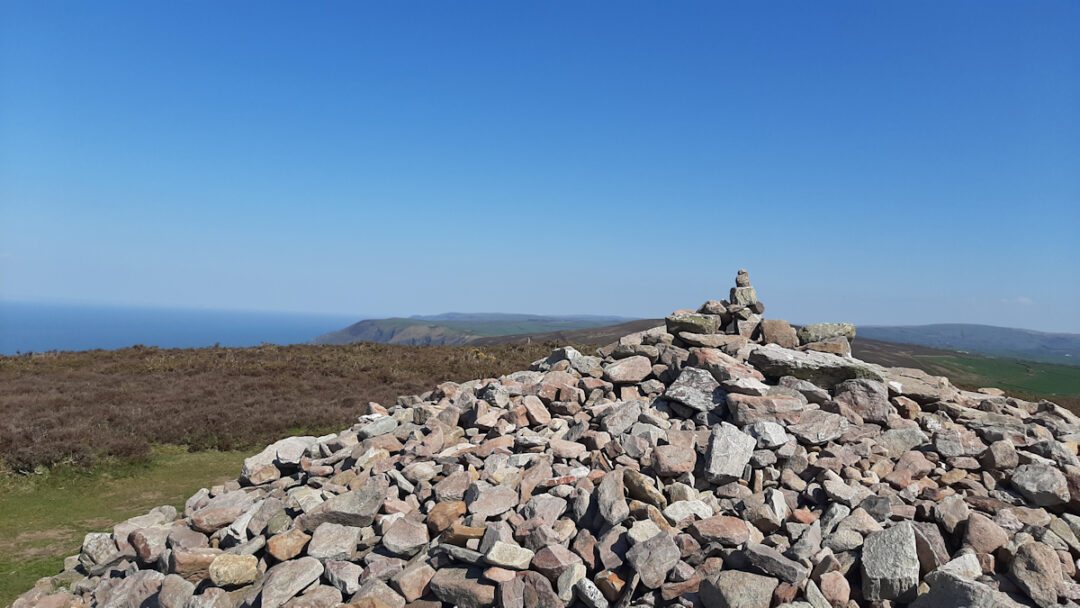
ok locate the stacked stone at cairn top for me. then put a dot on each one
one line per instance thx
(734, 323)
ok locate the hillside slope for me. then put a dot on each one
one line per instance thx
(455, 329)
(984, 339)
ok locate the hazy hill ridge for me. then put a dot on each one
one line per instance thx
(457, 328)
(984, 339)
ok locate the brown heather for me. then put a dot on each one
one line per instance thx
(78, 406)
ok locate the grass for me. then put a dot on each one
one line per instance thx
(45, 516)
(1013, 375)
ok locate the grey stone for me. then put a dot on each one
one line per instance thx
(737, 589)
(610, 500)
(332, 541)
(771, 562)
(818, 332)
(288, 578)
(1042, 484)
(697, 389)
(590, 594)
(356, 508)
(890, 564)
(823, 369)
(729, 452)
(654, 558)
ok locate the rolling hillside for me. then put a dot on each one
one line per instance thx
(1059, 348)
(455, 329)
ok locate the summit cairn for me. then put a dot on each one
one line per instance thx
(715, 460)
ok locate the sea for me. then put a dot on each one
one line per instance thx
(39, 327)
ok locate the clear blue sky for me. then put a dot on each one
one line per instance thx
(874, 162)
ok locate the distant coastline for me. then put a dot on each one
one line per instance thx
(45, 326)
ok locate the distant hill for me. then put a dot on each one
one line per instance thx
(457, 328)
(1058, 348)
(592, 335)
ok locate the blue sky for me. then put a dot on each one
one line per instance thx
(873, 162)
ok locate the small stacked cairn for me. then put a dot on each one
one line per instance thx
(736, 323)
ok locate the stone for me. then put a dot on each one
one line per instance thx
(641, 487)
(612, 504)
(413, 581)
(375, 593)
(462, 587)
(817, 427)
(737, 589)
(1000, 455)
(381, 425)
(1037, 571)
(822, 369)
(621, 418)
(769, 434)
(896, 442)
(772, 562)
(673, 460)
(779, 332)
(356, 508)
(696, 389)
(629, 370)
(344, 576)
(234, 570)
(405, 537)
(507, 555)
(288, 578)
(693, 323)
(287, 545)
(553, 560)
(890, 564)
(133, 590)
(1042, 484)
(956, 441)
(537, 592)
(486, 501)
(729, 452)
(724, 529)
(983, 535)
(590, 594)
(834, 588)
(867, 398)
(956, 592)
(653, 559)
(175, 592)
(332, 541)
(818, 332)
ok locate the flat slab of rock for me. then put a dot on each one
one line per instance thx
(822, 369)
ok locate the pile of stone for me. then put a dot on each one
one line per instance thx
(708, 462)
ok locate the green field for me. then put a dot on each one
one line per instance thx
(45, 516)
(1028, 377)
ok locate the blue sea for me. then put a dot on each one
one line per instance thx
(37, 327)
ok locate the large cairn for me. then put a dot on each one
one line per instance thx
(719, 460)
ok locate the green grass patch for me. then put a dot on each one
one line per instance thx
(44, 517)
(1030, 377)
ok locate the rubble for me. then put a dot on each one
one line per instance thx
(721, 459)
